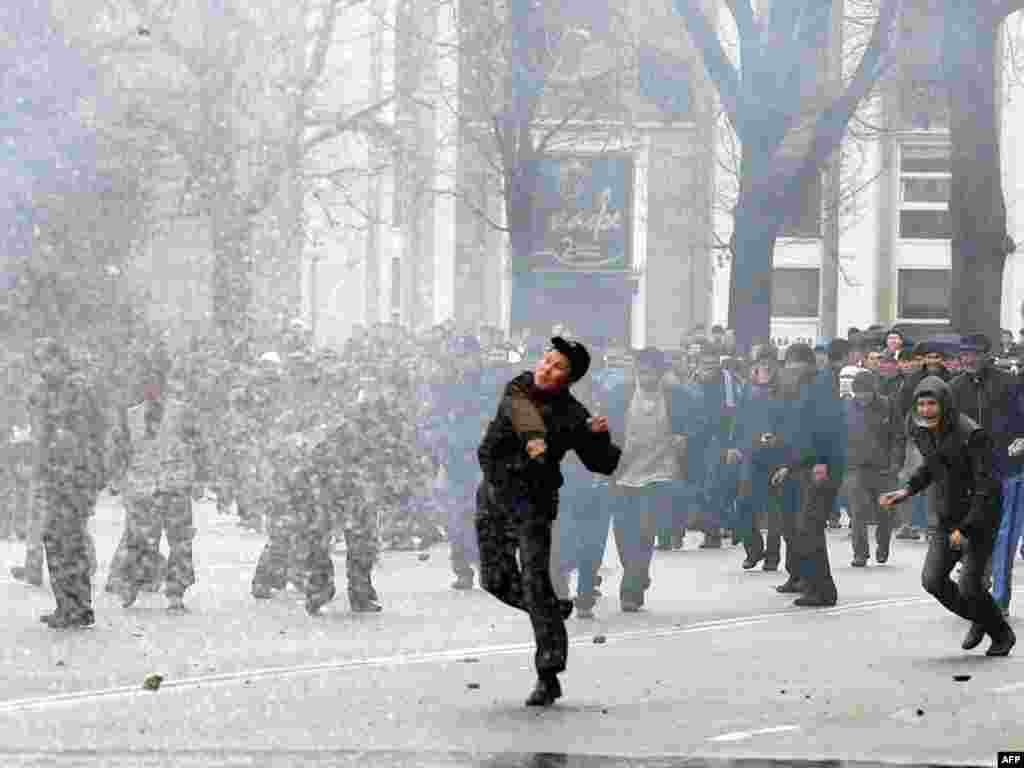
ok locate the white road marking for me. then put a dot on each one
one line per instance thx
(73, 697)
(743, 735)
(1012, 687)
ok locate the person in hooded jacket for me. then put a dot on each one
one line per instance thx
(995, 400)
(874, 455)
(957, 461)
(537, 423)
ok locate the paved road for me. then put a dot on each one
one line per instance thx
(718, 669)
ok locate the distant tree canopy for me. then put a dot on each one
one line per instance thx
(66, 221)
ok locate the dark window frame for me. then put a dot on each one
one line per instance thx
(923, 219)
(921, 310)
(809, 218)
(796, 309)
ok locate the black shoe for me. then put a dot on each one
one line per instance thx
(1003, 644)
(791, 587)
(262, 593)
(906, 533)
(859, 562)
(770, 564)
(315, 602)
(21, 573)
(565, 608)
(364, 605)
(882, 556)
(545, 692)
(973, 637)
(815, 600)
(78, 620)
(755, 553)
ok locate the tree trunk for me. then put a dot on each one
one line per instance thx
(750, 286)
(977, 207)
(232, 281)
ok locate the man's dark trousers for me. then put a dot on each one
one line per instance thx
(863, 486)
(523, 525)
(816, 500)
(970, 599)
(65, 539)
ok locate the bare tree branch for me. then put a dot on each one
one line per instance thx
(345, 124)
(743, 12)
(831, 123)
(324, 37)
(719, 68)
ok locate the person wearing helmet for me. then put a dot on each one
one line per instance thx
(957, 460)
(538, 421)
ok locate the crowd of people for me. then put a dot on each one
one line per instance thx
(382, 444)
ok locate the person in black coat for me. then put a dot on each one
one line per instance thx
(957, 460)
(537, 423)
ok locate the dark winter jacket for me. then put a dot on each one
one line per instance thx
(760, 414)
(872, 427)
(957, 459)
(993, 399)
(525, 413)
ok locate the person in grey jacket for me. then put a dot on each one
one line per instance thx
(874, 456)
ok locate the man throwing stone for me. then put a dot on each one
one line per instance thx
(537, 423)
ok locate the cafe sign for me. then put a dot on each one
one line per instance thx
(583, 216)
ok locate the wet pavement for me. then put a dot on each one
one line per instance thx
(719, 671)
(353, 758)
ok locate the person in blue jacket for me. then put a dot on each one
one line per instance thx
(814, 436)
(457, 425)
(755, 448)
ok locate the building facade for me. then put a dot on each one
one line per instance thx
(894, 230)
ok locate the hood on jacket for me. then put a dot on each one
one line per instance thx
(933, 386)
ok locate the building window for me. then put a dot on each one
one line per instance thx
(795, 292)
(924, 294)
(925, 179)
(805, 221)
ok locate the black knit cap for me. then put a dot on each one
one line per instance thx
(800, 353)
(576, 354)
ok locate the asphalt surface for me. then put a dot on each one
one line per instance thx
(718, 671)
